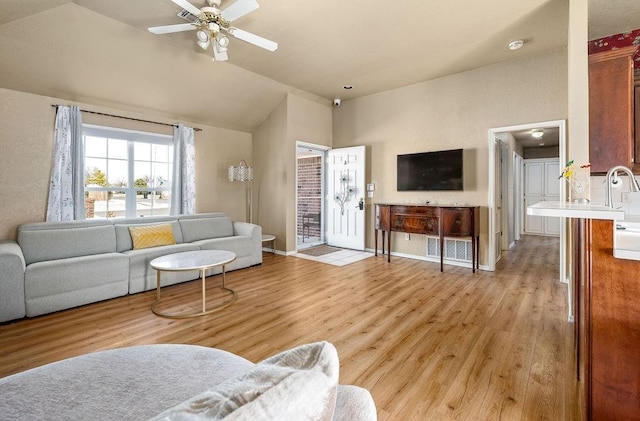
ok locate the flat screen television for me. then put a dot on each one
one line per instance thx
(440, 170)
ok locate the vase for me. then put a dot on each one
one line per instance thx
(580, 186)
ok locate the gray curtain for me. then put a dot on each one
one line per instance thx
(66, 189)
(183, 188)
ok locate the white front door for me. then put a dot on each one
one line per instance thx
(345, 193)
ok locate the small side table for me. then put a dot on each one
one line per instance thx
(268, 238)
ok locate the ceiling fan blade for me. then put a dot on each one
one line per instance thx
(239, 9)
(253, 39)
(188, 7)
(169, 29)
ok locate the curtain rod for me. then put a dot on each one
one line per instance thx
(130, 118)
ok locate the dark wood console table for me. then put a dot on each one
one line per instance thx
(443, 221)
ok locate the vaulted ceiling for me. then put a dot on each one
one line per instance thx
(99, 52)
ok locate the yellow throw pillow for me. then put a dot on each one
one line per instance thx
(146, 236)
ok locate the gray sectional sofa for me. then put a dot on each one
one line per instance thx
(58, 265)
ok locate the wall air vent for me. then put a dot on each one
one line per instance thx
(456, 250)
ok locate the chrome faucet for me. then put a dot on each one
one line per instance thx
(633, 183)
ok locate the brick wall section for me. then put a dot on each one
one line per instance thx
(309, 191)
(89, 207)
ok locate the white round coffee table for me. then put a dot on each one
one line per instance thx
(193, 260)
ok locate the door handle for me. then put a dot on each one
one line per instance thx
(360, 204)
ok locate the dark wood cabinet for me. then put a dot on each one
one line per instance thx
(607, 299)
(414, 220)
(636, 168)
(458, 222)
(441, 221)
(611, 109)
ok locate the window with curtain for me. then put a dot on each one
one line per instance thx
(127, 173)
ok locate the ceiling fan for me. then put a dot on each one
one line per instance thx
(213, 25)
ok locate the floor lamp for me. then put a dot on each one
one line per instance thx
(243, 172)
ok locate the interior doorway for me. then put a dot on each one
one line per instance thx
(522, 143)
(310, 193)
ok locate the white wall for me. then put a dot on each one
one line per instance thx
(295, 119)
(452, 112)
(26, 142)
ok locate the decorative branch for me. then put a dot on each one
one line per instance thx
(342, 197)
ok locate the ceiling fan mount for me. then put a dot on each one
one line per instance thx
(212, 15)
(212, 25)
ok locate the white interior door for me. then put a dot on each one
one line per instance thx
(517, 182)
(345, 192)
(552, 192)
(541, 184)
(498, 198)
(533, 193)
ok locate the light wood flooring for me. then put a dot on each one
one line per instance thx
(428, 345)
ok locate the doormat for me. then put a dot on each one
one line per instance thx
(319, 250)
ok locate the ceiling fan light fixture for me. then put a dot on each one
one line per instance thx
(204, 44)
(222, 40)
(209, 21)
(219, 53)
(202, 35)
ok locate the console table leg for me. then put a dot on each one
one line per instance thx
(375, 235)
(478, 252)
(473, 255)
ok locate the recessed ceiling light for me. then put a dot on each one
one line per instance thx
(516, 44)
(541, 144)
(537, 134)
(347, 87)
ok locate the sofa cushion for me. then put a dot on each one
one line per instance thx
(194, 229)
(75, 273)
(60, 240)
(147, 236)
(65, 283)
(240, 245)
(11, 281)
(142, 277)
(123, 236)
(298, 384)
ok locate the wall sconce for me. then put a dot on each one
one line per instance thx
(243, 172)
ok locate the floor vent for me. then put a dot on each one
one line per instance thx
(454, 249)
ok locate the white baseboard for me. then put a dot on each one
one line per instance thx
(431, 259)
